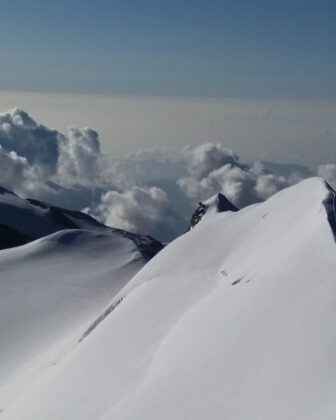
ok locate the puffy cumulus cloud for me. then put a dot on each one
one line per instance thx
(151, 192)
(72, 159)
(213, 168)
(38, 144)
(18, 176)
(207, 157)
(328, 172)
(144, 210)
(79, 157)
(268, 184)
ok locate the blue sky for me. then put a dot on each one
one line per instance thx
(246, 49)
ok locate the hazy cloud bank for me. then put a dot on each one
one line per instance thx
(151, 192)
(212, 168)
(139, 209)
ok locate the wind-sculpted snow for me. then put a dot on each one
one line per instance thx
(233, 320)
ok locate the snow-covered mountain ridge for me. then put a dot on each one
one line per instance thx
(233, 320)
(24, 220)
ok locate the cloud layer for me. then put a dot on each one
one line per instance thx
(38, 162)
(16, 174)
(71, 159)
(151, 192)
(139, 209)
(79, 158)
(213, 168)
(38, 144)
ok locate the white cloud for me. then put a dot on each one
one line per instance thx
(213, 168)
(208, 157)
(42, 163)
(268, 184)
(139, 210)
(38, 144)
(138, 193)
(18, 176)
(74, 159)
(79, 160)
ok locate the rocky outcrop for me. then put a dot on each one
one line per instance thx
(219, 203)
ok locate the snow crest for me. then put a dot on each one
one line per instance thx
(233, 320)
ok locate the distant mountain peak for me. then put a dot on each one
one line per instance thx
(222, 204)
(218, 204)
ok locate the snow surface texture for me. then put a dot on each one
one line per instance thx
(234, 320)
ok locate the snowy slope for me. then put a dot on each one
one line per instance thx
(33, 219)
(234, 320)
(51, 289)
(24, 220)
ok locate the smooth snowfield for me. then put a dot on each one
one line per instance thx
(51, 289)
(234, 320)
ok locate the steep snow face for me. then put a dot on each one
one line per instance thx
(51, 289)
(233, 320)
